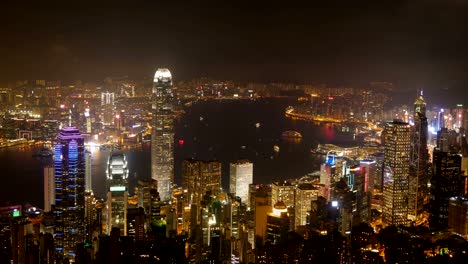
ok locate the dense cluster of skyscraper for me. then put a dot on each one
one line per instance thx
(414, 178)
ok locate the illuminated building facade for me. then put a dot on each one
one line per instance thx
(200, 177)
(49, 188)
(418, 191)
(396, 172)
(361, 193)
(107, 104)
(277, 224)
(240, 176)
(283, 191)
(327, 173)
(305, 194)
(117, 195)
(162, 137)
(69, 209)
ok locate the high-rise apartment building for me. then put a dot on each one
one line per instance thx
(69, 211)
(418, 191)
(162, 136)
(396, 173)
(200, 177)
(240, 176)
(117, 195)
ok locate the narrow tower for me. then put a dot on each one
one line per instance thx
(162, 136)
(418, 190)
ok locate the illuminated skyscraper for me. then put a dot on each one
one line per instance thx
(200, 177)
(418, 191)
(88, 173)
(69, 211)
(305, 194)
(396, 173)
(284, 192)
(107, 104)
(49, 188)
(162, 136)
(117, 195)
(240, 176)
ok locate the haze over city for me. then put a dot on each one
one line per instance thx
(410, 43)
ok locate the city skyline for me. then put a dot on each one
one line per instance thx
(211, 132)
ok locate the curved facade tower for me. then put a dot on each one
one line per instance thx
(162, 136)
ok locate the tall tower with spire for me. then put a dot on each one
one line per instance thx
(162, 136)
(418, 190)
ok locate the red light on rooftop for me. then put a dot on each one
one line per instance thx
(181, 142)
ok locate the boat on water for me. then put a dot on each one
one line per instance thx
(45, 152)
(291, 134)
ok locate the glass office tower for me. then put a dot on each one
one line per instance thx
(162, 136)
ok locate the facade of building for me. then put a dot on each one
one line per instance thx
(283, 191)
(49, 188)
(240, 176)
(69, 209)
(162, 135)
(396, 172)
(277, 224)
(200, 177)
(458, 216)
(117, 192)
(305, 194)
(418, 191)
(108, 107)
(445, 184)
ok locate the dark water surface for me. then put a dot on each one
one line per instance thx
(223, 130)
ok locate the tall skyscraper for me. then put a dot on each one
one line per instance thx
(162, 136)
(200, 177)
(418, 191)
(117, 195)
(88, 172)
(49, 188)
(396, 172)
(69, 211)
(445, 183)
(240, 176)
(107, 104)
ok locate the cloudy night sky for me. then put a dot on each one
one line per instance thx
(415, 44)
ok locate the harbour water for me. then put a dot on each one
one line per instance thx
(222, 130)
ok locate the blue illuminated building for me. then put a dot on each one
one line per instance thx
(69, 211)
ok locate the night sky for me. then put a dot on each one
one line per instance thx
(415, 44)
